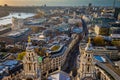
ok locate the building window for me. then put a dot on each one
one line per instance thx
(88, 68)
(34, 66)
(29, 58)
(89, 59)
(83, 67)
(29, 67)
(86, 55)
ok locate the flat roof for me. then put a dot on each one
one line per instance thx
(4, 28)
(115, 36)
(59, 76)
(18, 32)
(15, 33)
(102, 25)
(77, 30)
(99, 58)
(10, 62)
(2, 67)
(116, 70)
(55, 54)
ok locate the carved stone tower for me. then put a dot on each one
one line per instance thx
(30, 63)
(86, 62)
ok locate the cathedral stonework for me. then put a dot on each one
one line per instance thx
(30, 64)
(87, 68)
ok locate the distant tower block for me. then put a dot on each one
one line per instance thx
(90, 5)
(74, 14)
(68, 11)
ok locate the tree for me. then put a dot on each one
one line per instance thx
(98, 40)
(116, 43)
(36, 50)
(104, 31)
(54, 48)
(21, 55)
(5, 5)
(42, 51)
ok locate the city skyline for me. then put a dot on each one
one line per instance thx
(59, 40)
(58, 2)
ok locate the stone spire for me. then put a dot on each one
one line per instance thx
(29, 39)
(89, 45)
(29, 45)
(86, 62)
(30, 63)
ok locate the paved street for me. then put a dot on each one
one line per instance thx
(107, 69)
(71, 60)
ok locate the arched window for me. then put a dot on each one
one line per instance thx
(89, 59)
(28, 58)
(86, 55)
(29, 67)
(83, 67)
(34, 66)
(88, 68)
(32, 54)
(29, 79)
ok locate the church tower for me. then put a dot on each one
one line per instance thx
(30, 63)
(86, 63)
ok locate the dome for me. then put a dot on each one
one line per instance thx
(41, 36)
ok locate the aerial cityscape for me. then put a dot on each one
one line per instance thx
(59, 40)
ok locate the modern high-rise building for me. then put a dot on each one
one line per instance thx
(117, 11)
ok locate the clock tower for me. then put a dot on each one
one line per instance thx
(86, 62)
(30, 63)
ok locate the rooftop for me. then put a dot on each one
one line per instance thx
(55, 47)
(8, 64)
(99, 58)
(77, 30)
(103, 20)
(35, 21)
(113, 68)
(103, 25)
(1, 29)
(18, 32)
(115, 36)
(60, 75)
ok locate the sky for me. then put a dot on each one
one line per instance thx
(56, 2)
(31, 2)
